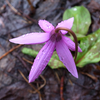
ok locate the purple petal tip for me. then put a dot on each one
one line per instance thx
(30, 80)
(76, 75)
(13, 41)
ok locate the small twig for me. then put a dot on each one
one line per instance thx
(36, 90)
(31, 6)
(22, 61)
(28, 82)
(91, 76)
(2, 9)
(21, 14)
(28, 69)
(27, 60)
(43, 83)
(13, 9)
(20, 28)
(32, 20)
(10, 51)
(57, 77)
(40, 76)
(2, 23)
(70, 82)
(83, 86)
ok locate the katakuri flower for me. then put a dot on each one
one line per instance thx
(55, 39)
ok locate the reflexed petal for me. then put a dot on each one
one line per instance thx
(70, 44)
(66, 23)
(66, 57)
(41, 60)
(46, 26)
(31, 38)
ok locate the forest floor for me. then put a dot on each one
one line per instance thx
(17, 17)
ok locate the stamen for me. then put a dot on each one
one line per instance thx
(74, 36)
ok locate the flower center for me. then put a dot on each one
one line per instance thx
(56, 36)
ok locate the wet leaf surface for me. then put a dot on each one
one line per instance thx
(82, 19)
(90, 46)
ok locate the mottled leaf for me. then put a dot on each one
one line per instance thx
(90, 46)
(82, 19)
(29, 51)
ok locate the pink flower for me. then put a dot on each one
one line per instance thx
(53, 40)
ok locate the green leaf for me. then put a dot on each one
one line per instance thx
(54, 61)
(90, 46)
(29, 51)
(82, 19)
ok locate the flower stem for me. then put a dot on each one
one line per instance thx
(74, 36)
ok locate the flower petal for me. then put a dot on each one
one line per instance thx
(66, 23)
(46, 26)
(41, 60)
(70, 44)
(32, 38)
(66, 57)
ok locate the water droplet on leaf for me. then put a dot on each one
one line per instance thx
(86, 22)
(91, 39)
(74, 9)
